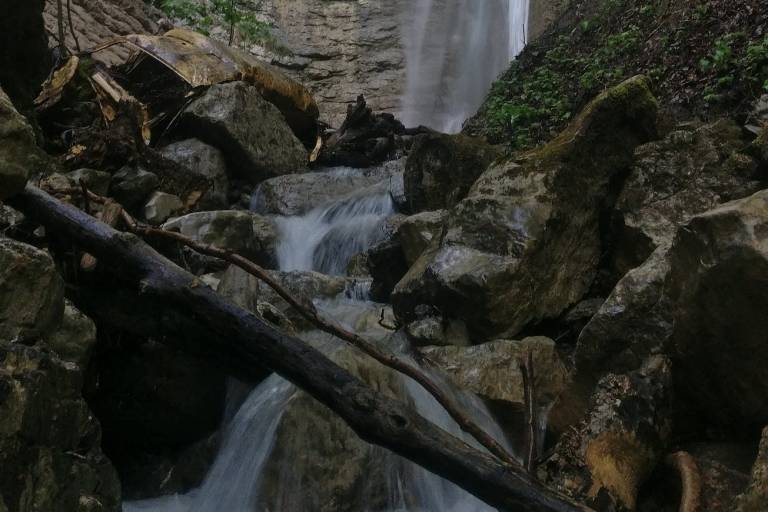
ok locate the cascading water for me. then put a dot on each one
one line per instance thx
(454, 50)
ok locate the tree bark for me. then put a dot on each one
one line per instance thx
(243, 337)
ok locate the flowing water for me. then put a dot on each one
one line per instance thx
(454, 50)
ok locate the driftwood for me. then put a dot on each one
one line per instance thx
(690, 480)
(243, 336)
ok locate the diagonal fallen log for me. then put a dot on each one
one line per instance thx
(308, 311)
(374, 417)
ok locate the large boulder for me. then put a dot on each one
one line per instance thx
(692, 170)
(50, 450)
(525, 243)
(442, 168)
(31, 291)
(419, 232)
(252, 133)
(245, 233)
(206, 162)
(492, 370)
(17, 149)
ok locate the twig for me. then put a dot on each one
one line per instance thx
(306, 309)
(690, 478)
(86, 199)
(60, 26)
(529, 393)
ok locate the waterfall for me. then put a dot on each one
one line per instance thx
(454, 50)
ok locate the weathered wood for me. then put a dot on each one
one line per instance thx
(242, 335)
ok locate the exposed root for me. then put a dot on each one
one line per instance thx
(690, 478)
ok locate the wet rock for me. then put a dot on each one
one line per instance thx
(333, 467)
(74, 338)
(524, 245)
(207, 162)
(49, 439)
(245, 233)
(17, 149)
(96, 181)
(250, 131)
(419, 232)
(442, 168)
(295, 194)
(690, 171)
(604, 459)
(9, 218)
(132, 186)
(387, 266)
(31, 291)
(756, 495)
(492, 369)
(436, 331)
(160, 207)
(718, 271)
(250, 293)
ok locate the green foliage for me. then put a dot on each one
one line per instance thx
(603, 67)
(732, 62)
(203, 16)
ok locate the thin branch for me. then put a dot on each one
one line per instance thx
(72, 26)
(306, 309)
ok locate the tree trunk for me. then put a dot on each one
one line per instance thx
(241, 336)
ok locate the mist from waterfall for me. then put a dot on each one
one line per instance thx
(454, 50)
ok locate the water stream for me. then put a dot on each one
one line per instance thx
(454, 50)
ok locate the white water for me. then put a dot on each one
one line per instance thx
(454, 50)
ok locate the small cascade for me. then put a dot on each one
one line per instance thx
(326, 238)
(454, 50)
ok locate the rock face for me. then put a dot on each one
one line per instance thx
(442, 168)
(342, 49)
(418, 232)
(50, 450)
(95, 21)
(543, 13)
(525, 243)
(492, 369)
(251, 132)
(692, 170)
(18, 152)
(208, 163)
(31, 291)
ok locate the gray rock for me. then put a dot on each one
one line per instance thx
(419, 232)
(442, 168)
(245, 233)
(17, 149)
(524, 245)
(31, 291)
(204, 161)
(160, 207)
(132, 186)
(492, 369)
(690, 171)
(295, 194)
(8, 218)
(436, 331)
(96, 181)
(73, 340)
(251, 132)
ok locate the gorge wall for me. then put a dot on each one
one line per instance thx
(338, 48)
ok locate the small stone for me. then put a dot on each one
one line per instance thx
(131, 186)
(96, 181)
(161, 207)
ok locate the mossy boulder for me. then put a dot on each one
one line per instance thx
(441, 169)
(19, 155)
(526, 241)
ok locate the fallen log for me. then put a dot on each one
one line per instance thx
(244, 337)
